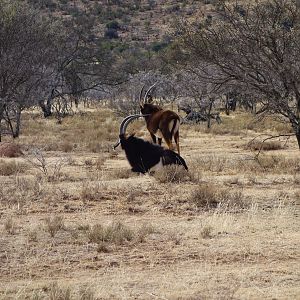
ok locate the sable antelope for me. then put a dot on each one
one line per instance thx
(144, 156)
(161, 123)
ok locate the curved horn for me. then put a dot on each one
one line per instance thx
(141, 94)
(123, 122)
(121, 130)
(124, 125)
(149, 90)
(126, 122)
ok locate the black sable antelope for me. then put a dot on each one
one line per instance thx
(161, 123)
(144, 156)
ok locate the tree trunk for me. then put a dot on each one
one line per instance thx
(209, 114)
(18, 123)
(1, 118)
(46, 108)
(298, 139)
(295, 122)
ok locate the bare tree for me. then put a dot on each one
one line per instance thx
(26, 48)
(254, 47)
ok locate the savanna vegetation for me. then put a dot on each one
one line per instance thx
(76, 222)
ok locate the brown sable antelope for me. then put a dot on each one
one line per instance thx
(161, 123)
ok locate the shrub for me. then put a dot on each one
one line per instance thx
(206, 232)
(116, 233)
(53, 225)
(59, 293)
(91, 192)
(10, 226)
(66, 147)
(209, 196)
(10, 150)
(121, 174)
(8, 168)
(266, 146)
(172, 173)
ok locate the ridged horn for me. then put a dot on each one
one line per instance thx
(149, 90)
(141, 95)
(124, 125)
(126, 121)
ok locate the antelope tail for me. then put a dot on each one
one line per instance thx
(175, 126)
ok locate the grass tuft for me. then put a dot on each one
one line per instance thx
(265, 146)
(172, 174)
(59, 293)
(8, 168)
(116, 233)
(209, 196)
(10, 226)
(53, 225)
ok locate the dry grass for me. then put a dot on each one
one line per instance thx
(10, 150)
(24, 189)
(92, 192)
(10, 226)
(232, 234)
(116, 233)
(239, 123)
(264, 146)
(208, 196)
(172, 174)
(263, 163)
(121, 174)
(53, 225)
(12, 167)
(93, 131)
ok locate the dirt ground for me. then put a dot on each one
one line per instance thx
(85, 227)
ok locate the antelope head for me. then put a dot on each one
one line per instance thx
(146, 104)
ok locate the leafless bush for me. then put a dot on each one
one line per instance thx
(296, 179)
(10, 150)
(51, 169)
